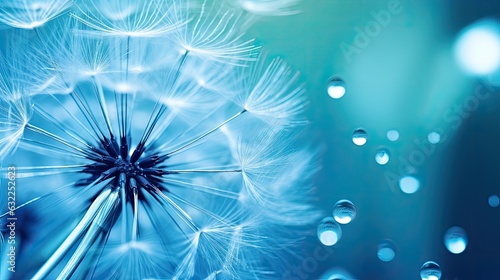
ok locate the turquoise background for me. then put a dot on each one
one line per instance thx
(405, 78)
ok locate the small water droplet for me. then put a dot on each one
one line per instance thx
(430, 271)
(386, 250)
(344, 211)
(382, 156)
(493, 200)
(455, 240)
(336, 88)
(329, 232)
(434, 137)
(359, 137)
(409, 184)
(392, 135)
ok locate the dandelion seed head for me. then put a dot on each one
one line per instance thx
(167, 137)
(269, 7)
(14, 115)
(123, 87)
(135, 19)
(211, 33)
(175, 103)
(274, 94)
(31, 14)
(32, 25)
(137, 69)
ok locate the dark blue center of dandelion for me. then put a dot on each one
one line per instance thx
(128, 168)
(114, 163)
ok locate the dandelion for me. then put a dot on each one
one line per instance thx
(267, 7)
(138, 160)
(128, 18)
(30, 14)
(14, 115)
(213, 35)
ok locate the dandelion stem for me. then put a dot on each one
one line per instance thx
(180, 212)
(55, 191)
(122, 181)
(58, 139)
(84, 223)
(202, 188)
(35, 29)
(102, 101)
(87, 114)
(74, 118)
(136, 205)
(205, 134)
(98, 224)
(128, 56)
(200, 209)
(35, 171)
(202, 171)
(22, 205)
(63, 127)
(124, 97)
(28, 168)
(32, 144)
(96, 265)
(155, 116)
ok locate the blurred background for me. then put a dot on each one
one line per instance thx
(422, 89)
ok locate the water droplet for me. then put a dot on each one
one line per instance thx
(336, 87)
(382, 156)
(329, 232)
(455, 240)
(493, 200)
(386, 250)
(392, 135)
(359, 137)
(336, 273)
(430, 271)
(409, 184)
(344, 211)
(434, 137)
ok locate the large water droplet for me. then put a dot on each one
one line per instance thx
(344, 211)
(455, 240)
(430, 271)
(493, 200)
(359, 137)
(392, 135)
(409, 184)
(386, 250)
(329, 232)
(382, 156)
(336, 87)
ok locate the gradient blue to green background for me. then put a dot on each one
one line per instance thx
(406, 78)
